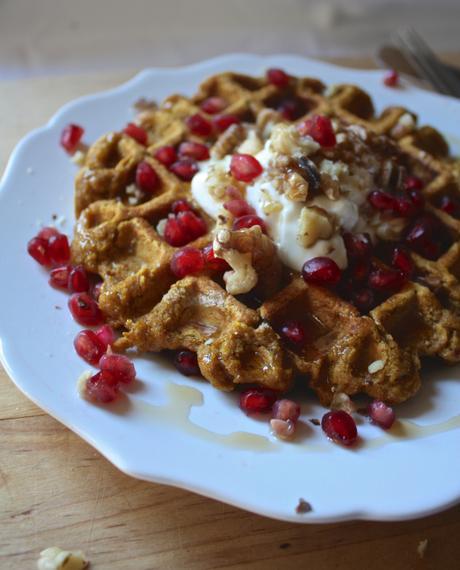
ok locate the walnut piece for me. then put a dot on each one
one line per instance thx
(228, 141)
(314, 224)
(297, 187)
(54, 558)
(243, 277)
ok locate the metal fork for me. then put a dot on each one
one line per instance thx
(427, 63)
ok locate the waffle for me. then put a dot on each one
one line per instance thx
(236, 337)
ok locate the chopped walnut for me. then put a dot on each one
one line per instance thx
(252, 145)
(228, 141)
(266, 120)
(243, 277)
(314, 224)
(269, 205)
(390, 229)
(342, 401)
(330, 187)
(218, 179)
(54, 558)
(297, 187)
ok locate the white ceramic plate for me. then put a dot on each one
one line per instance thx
(181, 431)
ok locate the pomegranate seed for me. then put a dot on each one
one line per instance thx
(46, 233)
(175, 234)
(420, 238)
(360, 269)
(321, 271)
(187, 261)
(245, 167)
(404, 207)
(167, 155)
(222, 122)
(195, 150)
(198, 125)
(282, 429)
(147, 179)
(89, 346)
(78, 280)
(413, 183)
(186, 363)
(38, 249)
(239, 208)
(96, 290)
(181, 206)
(233, 193)
(277, 77)
(401, 260)
(118, 367)
(137, 133)
(386, 280)
(213, 105)
(257, 400)
(70, 137)
(286, 410)
(294, 332)
(291, 109)
(381, 414)
(417, 199)
(58, 249)
(59, 277)
(185, 169)
(85, 310)
(106, 335)
(212, 262)
(363, 300)
(449, 206)
(319, 128)
(358, 246)
(99, 389)
(193, 225)
(391, 78)
(245, 222)
(382, 201)
(339, 426)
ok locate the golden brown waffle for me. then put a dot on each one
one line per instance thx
(377, 354)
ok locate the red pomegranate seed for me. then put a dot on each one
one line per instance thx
(59, 277)
(85, 310)
(195, 150)
(257, 400)
(245, 167)
(38, 249)
(449, 206)
(319, 128)
(339, 426)
(294, 332)
(391, 78)
(222, 122)
(286, 410)
(387, 280)
(413, 183)
(212, 262)
(147, 179)
(213, 105)
(382, 201)
(198, 125)
(187, 261)
(118, 367)
(277, 77)
(99, 389)
(291, 109)
(417, 199)
(282, 429)
(363, 300)
(193, 225)
(106, 335)
(405, 208)
(402, 260)
(239, 208)
(46, 233)
(70, 137)
(167, 155)
(78, 280)
(185, 169)
(245, 222)
(175, 234)
(58, 249)
(321, 271)
(420, 238)
(360, 269)
(137, 133)
(381, 414)
(358, 246)
(233, 193)
(89, 346)
(186, 363)
(181, 206)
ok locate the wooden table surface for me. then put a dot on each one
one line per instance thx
(56, 490)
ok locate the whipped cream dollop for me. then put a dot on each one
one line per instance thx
(282, 214)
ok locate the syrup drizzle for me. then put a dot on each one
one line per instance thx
(181, 400)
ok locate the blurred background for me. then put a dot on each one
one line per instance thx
(48, 37)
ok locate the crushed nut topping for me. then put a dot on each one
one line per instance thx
(228, 141)
(54, 558)
(314, 224)
(342, 401)
(243, 277)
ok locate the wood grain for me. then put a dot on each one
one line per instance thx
(56, 490)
